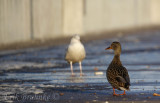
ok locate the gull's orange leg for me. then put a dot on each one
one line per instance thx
(114, 93)
(123, 93)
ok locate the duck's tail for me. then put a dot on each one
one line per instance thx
(126, 87)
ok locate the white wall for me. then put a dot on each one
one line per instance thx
(104, 15)
(24, 20)
(14, 21)
(72, 17)
(47, 19)
(155, 12)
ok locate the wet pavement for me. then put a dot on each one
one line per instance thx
(42, 75)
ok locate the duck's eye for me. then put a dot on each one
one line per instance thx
(114, 46)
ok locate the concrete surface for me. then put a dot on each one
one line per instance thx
(42, 75)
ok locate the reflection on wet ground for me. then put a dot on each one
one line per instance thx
(43, 71)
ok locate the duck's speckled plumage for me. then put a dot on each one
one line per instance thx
(116, 73)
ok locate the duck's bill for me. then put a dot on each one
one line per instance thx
(108, 48)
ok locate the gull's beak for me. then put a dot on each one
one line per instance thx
(108, 48)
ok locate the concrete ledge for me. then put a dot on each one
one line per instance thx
(85, 38)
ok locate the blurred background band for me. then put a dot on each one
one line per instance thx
(25, 20)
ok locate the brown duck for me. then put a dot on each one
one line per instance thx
(116, 74)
